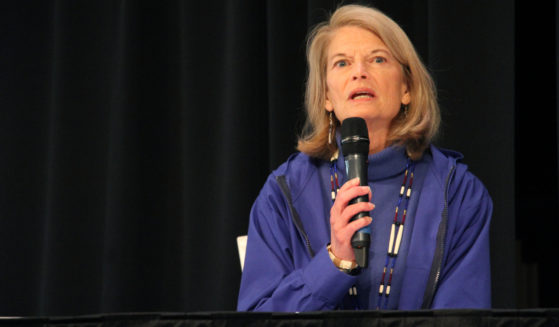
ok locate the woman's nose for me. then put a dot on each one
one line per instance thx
(360, 71)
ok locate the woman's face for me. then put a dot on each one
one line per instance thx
(363, 78)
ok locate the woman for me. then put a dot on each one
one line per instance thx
(430, 231)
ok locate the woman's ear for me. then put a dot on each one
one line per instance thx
(328, 105)
(406, 98)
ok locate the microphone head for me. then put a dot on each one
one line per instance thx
(355, 136)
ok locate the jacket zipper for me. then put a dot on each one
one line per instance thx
(296, 218)
(435, 275)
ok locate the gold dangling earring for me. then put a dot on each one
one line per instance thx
(330, 130)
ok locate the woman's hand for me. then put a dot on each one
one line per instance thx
(341, 229)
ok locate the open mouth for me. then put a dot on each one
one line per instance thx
(361, 94)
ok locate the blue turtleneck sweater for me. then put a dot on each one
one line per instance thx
(385, 176)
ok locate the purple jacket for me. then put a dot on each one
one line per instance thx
(287, 267)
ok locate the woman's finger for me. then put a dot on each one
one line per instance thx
(354, 209)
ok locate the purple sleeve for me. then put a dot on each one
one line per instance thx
(271, 281)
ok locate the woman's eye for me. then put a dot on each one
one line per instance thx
(340, 63)
(379, 60)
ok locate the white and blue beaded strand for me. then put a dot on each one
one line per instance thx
(396, 234)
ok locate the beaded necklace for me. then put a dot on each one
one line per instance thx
(396, 231)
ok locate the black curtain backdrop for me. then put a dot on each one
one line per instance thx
(135, 135)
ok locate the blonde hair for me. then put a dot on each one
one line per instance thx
(414, 129)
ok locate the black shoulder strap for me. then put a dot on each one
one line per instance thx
(296, 218)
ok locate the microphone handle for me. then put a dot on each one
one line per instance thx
(356, 166)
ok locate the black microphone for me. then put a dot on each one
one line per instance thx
(355, 148)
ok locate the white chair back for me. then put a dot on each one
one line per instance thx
(242, 246)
